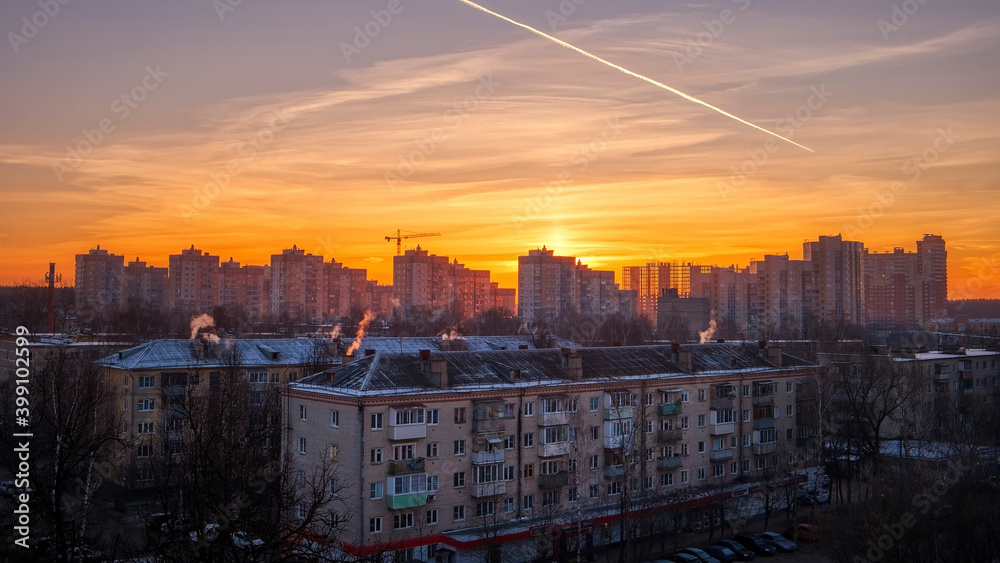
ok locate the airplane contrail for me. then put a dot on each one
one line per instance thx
(630, 73)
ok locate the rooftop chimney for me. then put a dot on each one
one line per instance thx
(369, 352)
(347, 358)
(774, 355)
(439, 372)
(575, 365)
(425, 355)
(684, 359)
(522, 346)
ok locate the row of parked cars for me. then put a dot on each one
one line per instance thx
(746, 547)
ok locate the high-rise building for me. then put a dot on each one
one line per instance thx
(933, 275)
(907, 288)
(98, 279)
(648, 281)
(144, 285)
(231, 286)
(424, 282)
(504, 298)
(347, 288)
(547, 286)
(258, 291)
(298, 288)
(191, 284)
(780, 290)
(837, 292)
(732, 293)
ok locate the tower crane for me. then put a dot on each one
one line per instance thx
(399, 239)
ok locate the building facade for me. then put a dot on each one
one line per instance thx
(99, 277)
(192, 282)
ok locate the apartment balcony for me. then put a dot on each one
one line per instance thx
(554, 481)
(719, 455)
(670, 409)
(763, 423)
(410, 500)
(487, 425)
(554, 449)
(721, 403)
(618, 413)
(720, 429)
(803, 442)
(405, 466)
(763, 400)
(618, 442)
(768, 448)
(553, 419)
(486, 458)
(613, 472)
(669, 462)
(942, 376)
(669, 436)
(408, 432)
(491, 489)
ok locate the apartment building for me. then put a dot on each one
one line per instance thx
(191, 285)
(427, 282)
(907, 288)
(98, 279)
(446, 454)
(837, 293)
(144, 285)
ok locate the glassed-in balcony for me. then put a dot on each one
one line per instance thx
(404, 466)
(763, 423)
(491, 489)
(719, 455)
(554, 449)
(720, 429)
(618, 413)
(670, 409)
(672, 462)
(669, 436)
(553, 481)
(483, 458)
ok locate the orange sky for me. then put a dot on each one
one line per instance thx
(645, 175)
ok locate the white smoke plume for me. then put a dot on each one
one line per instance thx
(335, 333)
(707, 334)
(362, 326)
(201, 321)
(451, 334)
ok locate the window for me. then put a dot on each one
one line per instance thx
(334, 452)
(407, 484)
(594, 462)
(486, 473)
(376, 491)
(719, 470)
(702, 395)
(746, 440)
(649, 427)
(666, 479)
(788, 387)
(402, 521)
(572, 464)
(274, 377)
(257, 376)
(746, 390)
(768, 436)
(733, 441)
(529, 470)
(552, 405)
(459, 478)
(702, 474)
(595, 404)
(550, 498)
(529, 439)
(788, 410)
(685, 397)
(685, 476)
(746, 415)
(147, 405)
(528, 502)
(649, 454)
(788, 434)
(459, 447)
(376, 455)
(302, 412)
(458, 513)
(377, 421)
(432, 449)
(684, 449)
(408, 416)
(144, 474)
(334, 487)
(529, 409)
(649, 399)
(649, 483)
(460, 415)
(734, 468)
(556, 434)
(614, 488)
(145, 427)
(595, 432)
(375, 525)
(701, 447)
(718, 444)
(574, 405)
(144, 451)
(745, 465)
(509, 501)
(572, 495)
(302, 445)
(147, 381)
(508, 442)
(433, 417)
(508, 410)
(432, 517)
(684, 423)
(777, 412)
(403, 452)
(701, 421)
(595, 491)
(432, 483)
(334, 419)
(508, 473)
(485, 508)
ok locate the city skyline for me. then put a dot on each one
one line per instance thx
(340, 125)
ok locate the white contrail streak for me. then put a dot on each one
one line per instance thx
(630, 73)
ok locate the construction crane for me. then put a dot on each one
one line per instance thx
(399, 239)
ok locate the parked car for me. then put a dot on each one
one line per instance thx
(722, 553)
(822, 495)
(684, 558)
(244, 540)
(803, 533)
(756, 545)
(781, 543)
(702, 555)
(739, 549)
